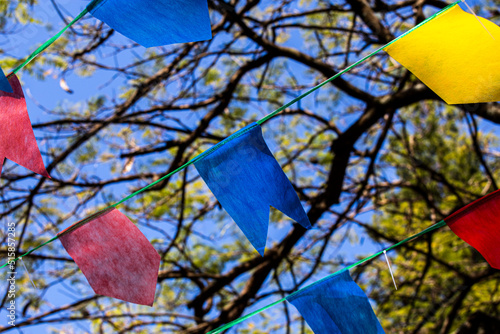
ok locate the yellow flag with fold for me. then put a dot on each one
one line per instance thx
(455, 56)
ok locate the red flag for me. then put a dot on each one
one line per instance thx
(17, 140)
(115, 257)
(478, 224)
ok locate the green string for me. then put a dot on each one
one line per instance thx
(239, 320)
(277, 111)
(200, 156)
(31, 251)
(47, 44)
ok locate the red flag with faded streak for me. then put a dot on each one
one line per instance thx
(17, 140)
(115, 257)
(478, 224)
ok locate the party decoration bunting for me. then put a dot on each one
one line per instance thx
(336, 305)
(17, 140)
(478, 224)
(455, 56)
(246, 179)
(4, 83)
(115, 257)
(156, 22)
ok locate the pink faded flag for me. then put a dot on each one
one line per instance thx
(115, 257)
(478, 224)
(17, 140)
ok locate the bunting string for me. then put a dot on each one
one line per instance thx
(204, 154)
(477, 18)
(347, 69)
(390, 269)
(45, 45)
(241, 319)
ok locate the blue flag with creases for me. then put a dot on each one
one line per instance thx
(336, 305)
(4, 83)
(156, 22)
(246, 179)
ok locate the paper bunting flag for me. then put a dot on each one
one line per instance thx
(115, 257)
(156, 22)
(455, 56)
(17, 140)
(4, 83)
(478, 224)
(336, 305)
(245, 177)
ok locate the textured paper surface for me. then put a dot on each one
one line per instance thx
(4, 83)
(115, 257)
(454, 56)
(246, 179)
(478, 224)
(336, 305)
(17, 140)
(156, 22)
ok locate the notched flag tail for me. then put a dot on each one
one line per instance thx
(336, 305)
(156, 22)
(17, 140)
(454, 56)
(245, 177)
(115, 257)
(478, 224)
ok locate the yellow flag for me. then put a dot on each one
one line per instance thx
(454, 56)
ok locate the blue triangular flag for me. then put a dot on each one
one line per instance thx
(156, 22)
(336, 305)
(245, 177)
(4, 83)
